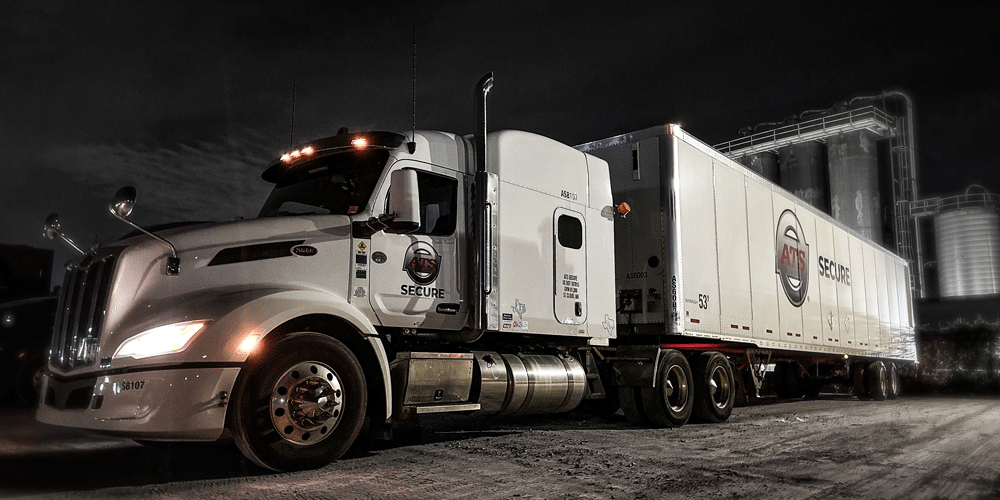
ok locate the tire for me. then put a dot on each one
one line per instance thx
(671, 401)
(787, 382)
(301, 405)
(606, 406)
(28, 381)
(895, 388)
(714, 388)
(859, 379)
(631, 403)
(878, 381)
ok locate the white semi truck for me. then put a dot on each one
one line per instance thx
(390, 275)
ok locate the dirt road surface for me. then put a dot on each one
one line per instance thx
(835, 447)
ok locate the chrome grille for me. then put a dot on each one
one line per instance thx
(83, 302)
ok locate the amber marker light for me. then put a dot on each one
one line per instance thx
(249, 343)
(360, 143)
(623, 209)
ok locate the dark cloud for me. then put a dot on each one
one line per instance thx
(188, 98)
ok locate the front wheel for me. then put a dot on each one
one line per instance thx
(301, 405)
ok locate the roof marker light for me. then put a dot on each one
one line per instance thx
(359, 142)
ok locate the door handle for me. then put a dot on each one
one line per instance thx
(447, 308)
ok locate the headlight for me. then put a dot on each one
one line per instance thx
(161, 340)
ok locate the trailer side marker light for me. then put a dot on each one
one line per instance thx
(815, 338)
(360, 143)
(799, 335)
(770, 331)
(695, 320)
(735, 327)
(746, 327)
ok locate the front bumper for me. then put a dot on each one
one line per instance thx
(184, 403)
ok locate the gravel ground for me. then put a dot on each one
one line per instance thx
(834, 447)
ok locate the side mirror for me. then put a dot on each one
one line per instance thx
(121, 206)
(404, 201)
(52, 230)
(124, 200)
(51, 227)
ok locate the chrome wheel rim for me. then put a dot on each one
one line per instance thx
(675, 388)
(719, 388)
(307, 403)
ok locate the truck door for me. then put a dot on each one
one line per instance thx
(414, 277)
(570, 266)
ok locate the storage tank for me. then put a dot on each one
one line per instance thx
(852, 158)
(764, 163)
(802, 170)
(967, 233)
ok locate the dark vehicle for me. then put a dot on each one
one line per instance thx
(25, 329)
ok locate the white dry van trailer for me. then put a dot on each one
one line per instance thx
(390, 275)
(717, 258)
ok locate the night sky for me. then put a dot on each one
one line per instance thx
(189, 101)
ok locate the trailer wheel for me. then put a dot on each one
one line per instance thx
(300, 406)
(893, 377)
(787, 380)
(878, 383)
(671, 401)
(859, 381)
(714, 388)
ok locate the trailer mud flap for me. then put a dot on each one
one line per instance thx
(635, 365)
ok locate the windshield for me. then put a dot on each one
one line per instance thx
(336, 184)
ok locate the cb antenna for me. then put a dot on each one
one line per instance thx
(412, 145)
(291, 134)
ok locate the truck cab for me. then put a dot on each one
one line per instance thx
(356, 298)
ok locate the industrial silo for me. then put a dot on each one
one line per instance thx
(764, 164)
(854, 181)
(967, 233)
(802, 169)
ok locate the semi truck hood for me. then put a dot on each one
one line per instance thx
(243, 232)
(222, 267)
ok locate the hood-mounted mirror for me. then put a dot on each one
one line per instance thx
(121, 207)
(52, 230)
(124, 200)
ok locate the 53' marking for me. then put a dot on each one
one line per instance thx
(702, 301)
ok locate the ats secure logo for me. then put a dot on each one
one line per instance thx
(422, 263)
(791, 253)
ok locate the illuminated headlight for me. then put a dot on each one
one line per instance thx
(161, 340)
